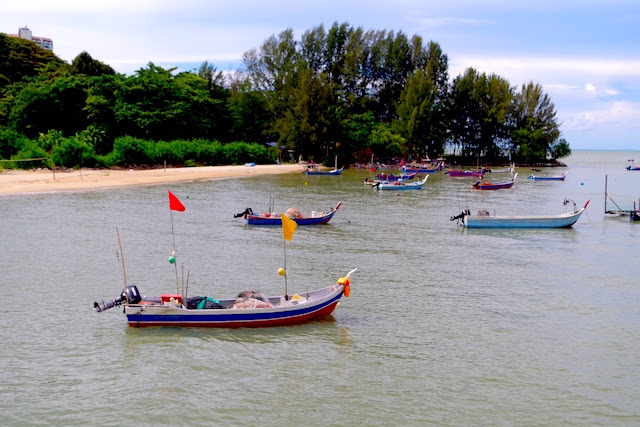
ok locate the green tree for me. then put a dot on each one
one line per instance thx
(535, 132)
(417, 116)
(249, 112)
(479, 108)
(21, 58)
(44, 102)
(85, 64)
(385, 143)
(156, 104)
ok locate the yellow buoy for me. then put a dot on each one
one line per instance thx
(282, 272)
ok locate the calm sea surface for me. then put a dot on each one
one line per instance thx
(445, 326)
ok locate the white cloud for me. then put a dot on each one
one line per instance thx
(610, 115)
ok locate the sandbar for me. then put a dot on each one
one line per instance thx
(14, 182)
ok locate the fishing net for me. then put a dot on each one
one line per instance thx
(293, 213)
(251, 299)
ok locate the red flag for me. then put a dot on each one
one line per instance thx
(174, 203)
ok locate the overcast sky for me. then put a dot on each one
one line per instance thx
(585, 54)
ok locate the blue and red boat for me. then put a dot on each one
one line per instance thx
(272, 218)
(250, 309)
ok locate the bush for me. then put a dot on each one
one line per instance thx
(31, 150)
(74, 152)
(10, 142)
(128, 150)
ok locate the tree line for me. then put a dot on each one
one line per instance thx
(338, 91)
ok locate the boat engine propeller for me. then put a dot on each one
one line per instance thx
(246, 212)
(129, 294)
(462, 214)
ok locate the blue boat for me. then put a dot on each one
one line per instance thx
(548, 177)
(484, 219)
(400, 185)
(313, 170)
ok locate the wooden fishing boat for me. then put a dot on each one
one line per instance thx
(313, 170)
(313, 218)
(250, 309)
(560, 177)
(423, 168)
(388, 179)
(483, 185)
(511, 169)
(400, 185)
(454, 173)
(392, 177)
(632, 166)
(483, 219)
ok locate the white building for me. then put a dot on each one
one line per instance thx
(25, 33)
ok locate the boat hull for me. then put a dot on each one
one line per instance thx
(319, 172)
(464, 174)
(552, 221)
(141, 315)
(548, 178)
(492, 186)
(420, 170)
(400, 185)
(276, 220)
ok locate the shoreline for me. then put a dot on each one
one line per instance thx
(17, 182)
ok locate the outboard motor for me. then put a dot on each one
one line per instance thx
(462, 214)
(246, 212)
(130, 293)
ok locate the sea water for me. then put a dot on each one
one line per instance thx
(445, 326)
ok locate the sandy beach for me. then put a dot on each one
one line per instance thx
(26, 182)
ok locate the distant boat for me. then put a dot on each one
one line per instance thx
(314, 218)
(483, 185)
(423, 168)
(388, 178)
(313, 170)
(392, 177)
(633, 168)
(400, 185)
(510, 169)
(454, 173)
(483, 219)
(548, 177)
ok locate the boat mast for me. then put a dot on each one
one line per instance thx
(124, 272)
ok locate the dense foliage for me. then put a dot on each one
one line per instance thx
(342, 91)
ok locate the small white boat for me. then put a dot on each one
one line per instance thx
(484, 219)
(545, 177)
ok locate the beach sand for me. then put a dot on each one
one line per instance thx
(25, 182)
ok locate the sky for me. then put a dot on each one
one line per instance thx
(585, 54)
